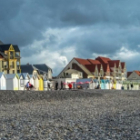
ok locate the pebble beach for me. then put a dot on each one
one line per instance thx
(85, 115)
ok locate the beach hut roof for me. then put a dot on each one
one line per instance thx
(1, 73)
(31, 76)
(25, 75)
(11, 76)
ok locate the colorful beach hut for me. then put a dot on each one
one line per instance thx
(45, 82)
(23, 79)
(102, 84)
(110, 84)
(32, 80)
(12, 81)
(118, 85)
(106, 84)
(36, 81)
(2, 81)
(41, 83)
(114, 84)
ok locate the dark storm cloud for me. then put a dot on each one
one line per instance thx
(23, 21)
(104, 26)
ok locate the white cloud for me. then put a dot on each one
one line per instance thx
(56, 58)
(126, 54)
(97, 54)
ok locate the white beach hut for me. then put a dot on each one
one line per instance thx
(45, 82)
(12, 82)
(23, 79)
(2, 81)
(118, 85)
(32, 80)
(36, 81)
(26, 77)
(107, 84)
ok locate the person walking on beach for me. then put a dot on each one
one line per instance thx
(131, 86)
(70, 86)
(27, 85)
(48, 83)
(127, 86)
(56, 85)
(61, 85)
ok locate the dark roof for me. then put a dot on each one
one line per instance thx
(128, 73)
(16, 48)
(42, 67)
(3, 54)
(27, 69)
(1, 42)
(4, 47)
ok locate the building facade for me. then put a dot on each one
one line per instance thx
(40, 69)
(9, 59)
(133, 76)
(100, 68)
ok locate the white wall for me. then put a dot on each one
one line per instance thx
(2, 83)
(9, 84)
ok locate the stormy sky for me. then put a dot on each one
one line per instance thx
(55, 31)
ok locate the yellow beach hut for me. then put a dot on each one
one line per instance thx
(41, 87)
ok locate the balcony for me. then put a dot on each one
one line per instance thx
(11, 67)
(11, 57)
(5, 67)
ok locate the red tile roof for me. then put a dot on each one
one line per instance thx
(99, 67)
(94, 62)
(105, 62)
(82, 61)
(103, 59)
(116, 62)
(1, 56)
(137, 72)
(91, 68)
(111, 63)
(106, 68)
(122, 65)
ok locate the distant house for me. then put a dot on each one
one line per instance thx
(133, 76)
(101, 67)
(41, 69)
(72, 73)
(9, 58)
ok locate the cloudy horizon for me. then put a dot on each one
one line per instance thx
(53, 32)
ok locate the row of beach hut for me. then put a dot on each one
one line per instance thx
(103, 84)
(18, 81)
